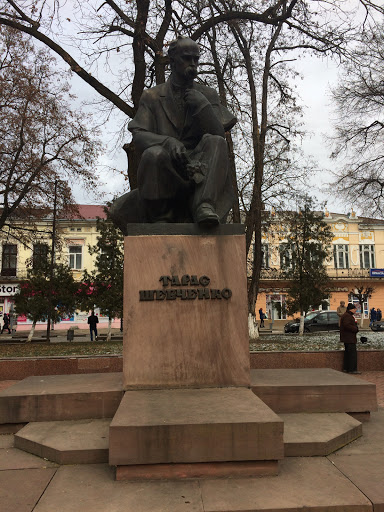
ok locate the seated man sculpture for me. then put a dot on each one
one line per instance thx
(179, 132)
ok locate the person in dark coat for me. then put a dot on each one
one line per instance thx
(92, 322)
(372, 317)
(6, 324)
(262, 316)
(379, 315)
(348, 332)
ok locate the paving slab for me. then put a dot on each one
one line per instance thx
(303, 484)
(12, 458)
(61, 397)
(93, 488)
(21, 490)
(366, 473)
(67, 442)
(6, 441)
(372, 439)
(314, 434)
(313, 390)
(194, 425)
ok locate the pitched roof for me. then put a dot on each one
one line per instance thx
(87, 212)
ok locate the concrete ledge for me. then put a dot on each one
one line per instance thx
(318, 434)
(66, 442)
(203, 470)
(61, 397)
(17, 369)
(313, 390)
(192, 426)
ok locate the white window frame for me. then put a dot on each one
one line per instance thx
(341, 252)
(367, 252)
(75, 258)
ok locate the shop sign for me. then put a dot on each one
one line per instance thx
(376, 272)
(8, 289)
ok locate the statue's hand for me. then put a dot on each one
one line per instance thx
(177, 152)
(195, 100)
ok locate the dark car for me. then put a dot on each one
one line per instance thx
(315, 321)
(377, 326)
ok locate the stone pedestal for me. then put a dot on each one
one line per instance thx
(187, 408)
(185, 307)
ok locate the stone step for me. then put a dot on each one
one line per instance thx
(318, 434)
(187, 426)
(61, 397)
(87, 442)
(66, 442)
(313, 390)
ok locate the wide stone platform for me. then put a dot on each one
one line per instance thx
(313, 390)
(61, 397)
(194, 426)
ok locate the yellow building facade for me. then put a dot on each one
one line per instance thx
(74, 233)
(356, 259)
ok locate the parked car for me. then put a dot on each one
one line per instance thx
(315, 321)
(377, 326)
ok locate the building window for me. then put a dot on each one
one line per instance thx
(264, 256)
(75, 257)
(9, 260)
(341, 256)
(285, 256)
(367, 256)
(40, 254)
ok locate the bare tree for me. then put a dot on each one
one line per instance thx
(359, 128)
(42, 138)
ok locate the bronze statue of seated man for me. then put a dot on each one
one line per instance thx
(179, 132)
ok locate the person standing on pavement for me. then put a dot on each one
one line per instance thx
(372, 317)
(92, 322)
(341, 310)
(379, 315)
(262, 316)
(348, 332)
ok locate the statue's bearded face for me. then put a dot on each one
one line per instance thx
(186, 60)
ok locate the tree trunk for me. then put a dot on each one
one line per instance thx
(253, 328)
(109, 333)
(31, 332)
(301, 326)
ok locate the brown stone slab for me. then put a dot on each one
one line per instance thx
(21, 490)
(313, 390)
(6, 441)
(198, 470)
(174, 343)
(93, 488)
(10, 428)
(303, 484)
(67, 442)
(61, 397)
(314, 434)
(366, 473)
(194, 425)
(12, 458)
(372, 439)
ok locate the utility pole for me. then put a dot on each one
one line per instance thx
(52, 262)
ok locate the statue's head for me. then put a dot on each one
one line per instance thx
(184, 56)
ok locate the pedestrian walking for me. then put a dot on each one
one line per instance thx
(372, 317)
(348, 332)
(6, 324)
(262, 316)
(92, 322)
